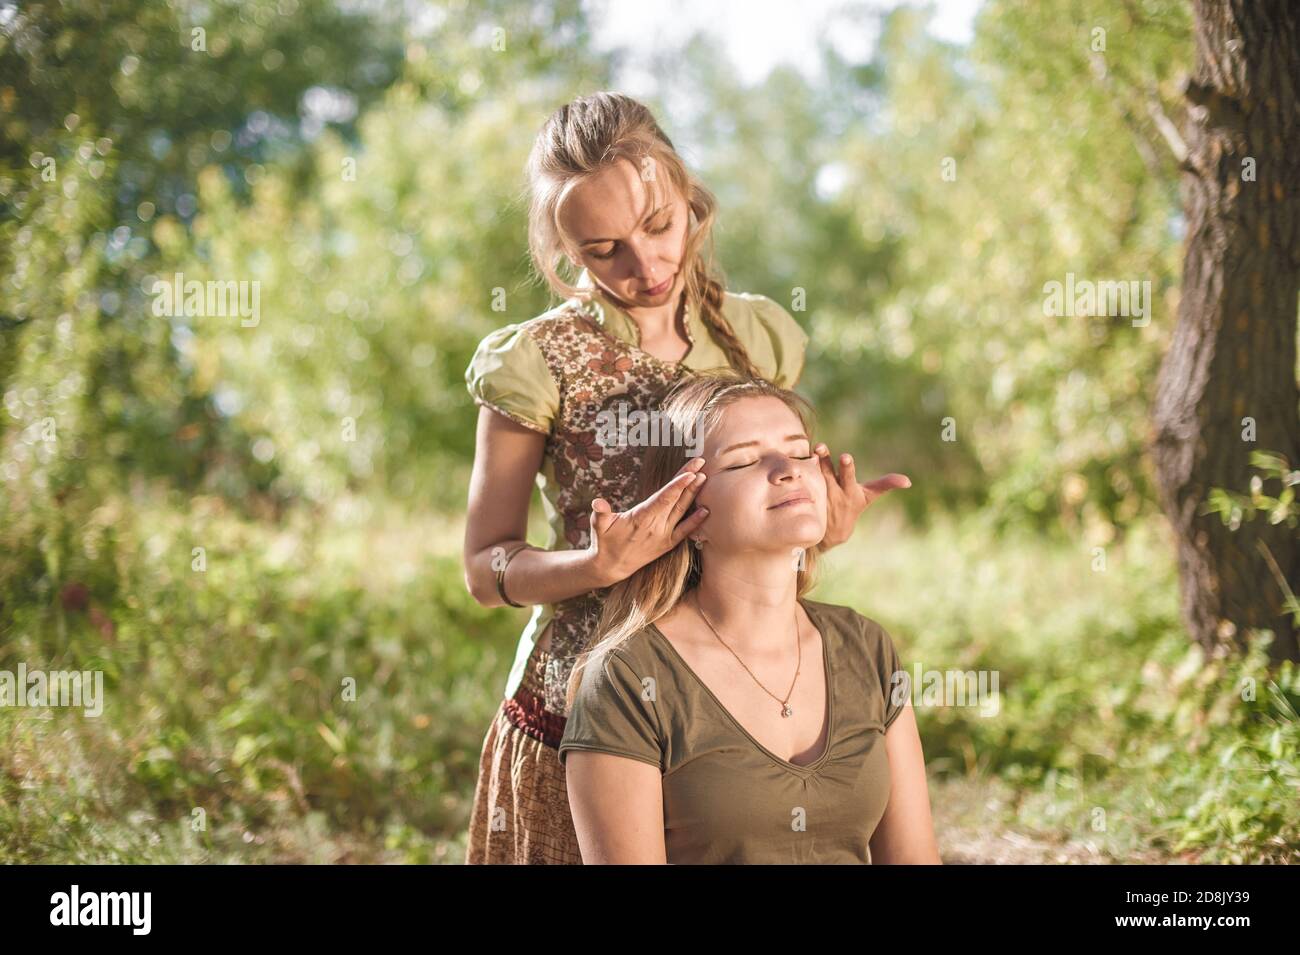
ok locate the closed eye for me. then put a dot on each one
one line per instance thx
(660, 231)
(797, 457)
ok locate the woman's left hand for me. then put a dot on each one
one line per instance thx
(846, 499)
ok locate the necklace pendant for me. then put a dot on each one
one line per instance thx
(786, 711)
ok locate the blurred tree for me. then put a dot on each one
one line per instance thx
(145, 94)
(773, 154)
(991, 172)
(1228, 381)
(110, 109)
(382, 270)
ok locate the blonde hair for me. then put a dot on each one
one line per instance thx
(587, 136)
(695, 402)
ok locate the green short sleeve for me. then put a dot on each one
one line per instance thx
(789, 340)
(894, 680)
(509, 374)
(613, 711)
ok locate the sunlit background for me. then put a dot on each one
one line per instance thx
(236, 521)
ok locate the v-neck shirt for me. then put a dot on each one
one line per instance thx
(726, 797)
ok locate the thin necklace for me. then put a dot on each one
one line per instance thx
(786, 710)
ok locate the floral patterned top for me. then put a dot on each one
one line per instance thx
(555, 373)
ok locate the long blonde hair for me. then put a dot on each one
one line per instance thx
(693, 406)
(587, 136)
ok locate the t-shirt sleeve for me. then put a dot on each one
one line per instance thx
(613, 711)
(894, 680)
(509, 374)
(789, 340)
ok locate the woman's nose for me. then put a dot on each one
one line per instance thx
(642, 262)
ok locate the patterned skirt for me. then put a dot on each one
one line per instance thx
(521, 805)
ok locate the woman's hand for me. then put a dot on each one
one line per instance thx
(846, 499)
(622, 544)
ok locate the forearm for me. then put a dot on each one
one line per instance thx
(535, 576)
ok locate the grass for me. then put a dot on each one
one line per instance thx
(320, 691)
(1114, 732)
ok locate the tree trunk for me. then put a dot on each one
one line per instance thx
(1232, 360)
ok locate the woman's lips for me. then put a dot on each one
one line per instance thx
(659, 289)
(791, 503)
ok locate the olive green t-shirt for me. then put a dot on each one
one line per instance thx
(727, 799)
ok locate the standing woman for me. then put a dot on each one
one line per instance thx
(610, 196)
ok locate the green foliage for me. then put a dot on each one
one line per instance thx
(995, 174)
(1112, 730)
(1233, 508)
(285, 678)
(110, 114)
(363, 165)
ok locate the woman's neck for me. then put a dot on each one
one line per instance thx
(661, 322)
(750, 611)
(658, 322)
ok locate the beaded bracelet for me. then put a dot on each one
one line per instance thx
(501, 573)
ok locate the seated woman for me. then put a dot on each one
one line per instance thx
(722, 717)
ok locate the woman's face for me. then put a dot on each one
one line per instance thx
(629, 237)
(765, 489)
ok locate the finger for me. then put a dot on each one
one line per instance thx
(675, 497)
(687, 499)
(692, 467)
(828, 470)
(689, 525)
(890, 482)
(601, 514)
(848, 472)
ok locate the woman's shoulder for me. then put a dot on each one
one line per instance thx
(633, 668)
(758, 319)
(650, 654)
(641, 651)
(762, 311)
(842, 615)
(526, 332)
(867, 651)
(854, 629)
(512, 372)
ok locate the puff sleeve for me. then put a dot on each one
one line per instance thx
(789, 340)
(613, 711)
(509, 374)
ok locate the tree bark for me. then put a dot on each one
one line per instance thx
(1233, 352)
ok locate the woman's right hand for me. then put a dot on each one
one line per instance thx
(623, 543)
